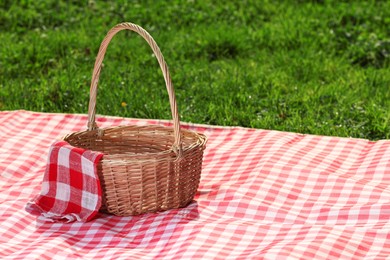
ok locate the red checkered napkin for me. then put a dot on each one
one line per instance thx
(71, 188)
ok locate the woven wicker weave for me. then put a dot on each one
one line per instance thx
(144, 168)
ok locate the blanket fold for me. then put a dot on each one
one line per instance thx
(71, 188)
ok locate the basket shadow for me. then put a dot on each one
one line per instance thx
(184, 215)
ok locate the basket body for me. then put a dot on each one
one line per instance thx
(139, 172)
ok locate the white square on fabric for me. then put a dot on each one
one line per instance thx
(63, 191)
(63, 157)
(87, 167)
(89, 200)
(45, 188)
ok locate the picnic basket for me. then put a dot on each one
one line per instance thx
(148, 168)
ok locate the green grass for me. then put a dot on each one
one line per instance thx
(317, 67)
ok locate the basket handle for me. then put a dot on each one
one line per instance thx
(164, 68)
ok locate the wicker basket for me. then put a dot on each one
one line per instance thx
(144, 168)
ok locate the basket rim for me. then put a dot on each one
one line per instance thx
(199, 141)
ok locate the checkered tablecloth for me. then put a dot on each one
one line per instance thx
(263, 194)
(70, 189)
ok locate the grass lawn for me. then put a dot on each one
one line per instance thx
(318, 67)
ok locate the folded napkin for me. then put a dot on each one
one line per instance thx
(71, 188)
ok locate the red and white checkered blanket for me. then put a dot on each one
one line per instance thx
(263, 194)
(71, 188)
